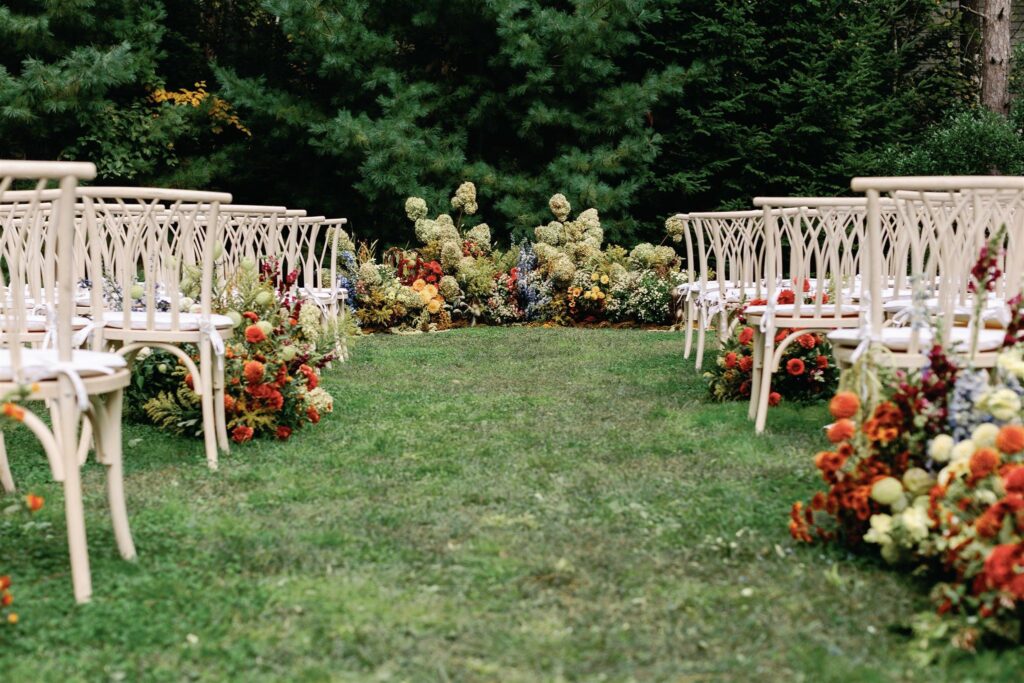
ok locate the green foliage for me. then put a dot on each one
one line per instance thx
(637, 107)
(970, 142)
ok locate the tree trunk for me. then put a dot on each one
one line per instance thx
(995, 56)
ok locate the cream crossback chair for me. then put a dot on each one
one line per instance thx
(37, 244)
(814, 252)
(734, 246)
(948, 220)
(316, 262)
(249, 232)
(150, 237)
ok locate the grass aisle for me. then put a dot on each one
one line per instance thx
(489, 504)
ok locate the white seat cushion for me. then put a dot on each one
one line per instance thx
(37, 323)
(187, 322)
(898, 338)
(806, 311)
(37, 363)
(324, 293)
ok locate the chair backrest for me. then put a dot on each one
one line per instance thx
(37, 244)
(152, 240)
(249, 232)
(948, 220)
(816, 241)
(735, 247)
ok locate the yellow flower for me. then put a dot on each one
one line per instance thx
(595, 277)
(419, 285)
(604, 279)
(12, 618)
(600, 295)
(431, 290)
(434, 306)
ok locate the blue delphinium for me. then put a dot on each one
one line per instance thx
(963, 414)
(531, 298)
(349, 268)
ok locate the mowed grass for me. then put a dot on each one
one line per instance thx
(483, 505)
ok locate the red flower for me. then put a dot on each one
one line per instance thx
(254, 335)
(1013, 479)
(759, 302)
(795, 367)
(808, 341)
(313, 415)
(786, 296)
(311, 379)
(807, 285)
(1010, 439)
(241, 434)
(1002, 569)
(229, 402)
(5, 582)
(822, 362)
(746, 363)
(251, 316)
(782, 334)
(284, 432)
(188, 382)
(774, 398)
(745, 388)
(746, 335)
(730, 359)
(34, 503)
(253, 371)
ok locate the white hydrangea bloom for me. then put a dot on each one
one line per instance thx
(559, 206)
(321, 400)
(415, 208)
(465, 198)
(309, 322)
(451, 253)
(481, 234)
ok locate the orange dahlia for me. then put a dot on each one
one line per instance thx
(1010, 439)
(844, 404)
(254, 335)
(984, 462)
(241, 434)
(253, 371)
(841, 430)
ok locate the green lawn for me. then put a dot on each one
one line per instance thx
(483, 505)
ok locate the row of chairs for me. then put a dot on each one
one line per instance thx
(90, 276)
(892, 268)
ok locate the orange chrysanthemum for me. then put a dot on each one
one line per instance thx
(284, 432)
(254, 335)
(844, 404)
(229, 403)
(34, 503)
(841, 430)
(253, 371)
(1010, 439)
(983, 462)
(795, 367)
(313, 415)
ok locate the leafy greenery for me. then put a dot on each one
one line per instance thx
(637, 107)
(486, 504)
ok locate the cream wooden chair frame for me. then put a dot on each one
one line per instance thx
(947, 219)
(156, 231)
(38, 252)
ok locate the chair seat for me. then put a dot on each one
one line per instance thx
(187, 322)
(39, 363)
(325, 293)
(806, 311)
(37, 323)
(898, 338)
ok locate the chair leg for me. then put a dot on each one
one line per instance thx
(688, 321)
(220, 414)
(78, 548)
(109, 421)
(767, 369)
(702, 323)
(755, 373)
(5, 470)
(206, 399)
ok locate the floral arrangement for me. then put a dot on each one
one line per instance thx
(927, 469)
(272, 364)
(806, 372)
(565, 276)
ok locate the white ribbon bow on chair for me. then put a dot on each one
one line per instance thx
(44, 369)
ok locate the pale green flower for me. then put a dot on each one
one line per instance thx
(370, 274)
(1002, 404)
(559, 206)
(451, 253)
(552, 233)
(449, 288)
(426, 230)
(446, 229)
(562, 271)
(984, 435)
(309, 322)
(415, 208)
(941, 448)
(465, 198)
(481, 234)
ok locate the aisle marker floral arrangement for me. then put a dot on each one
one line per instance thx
(927, 469)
